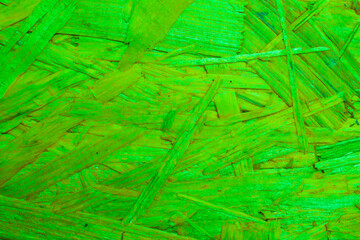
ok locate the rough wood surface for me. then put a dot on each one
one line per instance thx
(187, 119)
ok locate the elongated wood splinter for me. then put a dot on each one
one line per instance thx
(222, 209)
(246, 57)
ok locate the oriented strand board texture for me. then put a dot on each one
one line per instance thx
(179, 119)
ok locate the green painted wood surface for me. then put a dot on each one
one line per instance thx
(191, 119)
